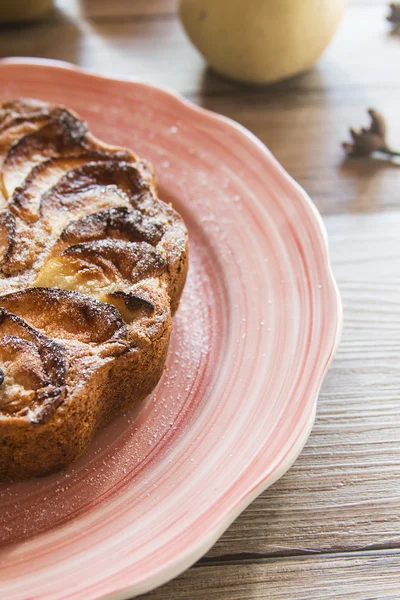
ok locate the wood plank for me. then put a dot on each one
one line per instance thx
(305, 132)
(343, 493)
(128, 8)
(303, 121)
(371, 576)
(96, 9)
(155, 51)
(159, 52)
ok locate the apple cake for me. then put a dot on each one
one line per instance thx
(92, 268)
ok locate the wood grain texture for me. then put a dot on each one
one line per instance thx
(331, 527)
(343, 493)
(305, 132)
(100, 9)
(303, 121)
(372, 576)
(157, 50)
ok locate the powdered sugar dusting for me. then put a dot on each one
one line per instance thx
(125, 451)
(158, 486)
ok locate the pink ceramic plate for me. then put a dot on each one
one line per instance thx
(258, 324)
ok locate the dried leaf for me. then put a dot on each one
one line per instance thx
(366, 141)
(394, 16)
(369, 140)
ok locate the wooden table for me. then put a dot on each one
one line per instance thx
(331, 527)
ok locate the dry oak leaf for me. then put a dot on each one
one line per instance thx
(394, 16)
(369, 140)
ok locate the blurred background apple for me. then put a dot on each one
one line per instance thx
(261, 41)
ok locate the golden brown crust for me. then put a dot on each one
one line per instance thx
(92, 266)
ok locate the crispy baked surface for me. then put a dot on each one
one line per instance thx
(92, 266)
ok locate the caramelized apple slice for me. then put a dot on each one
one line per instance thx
(11, 135)
(19, 111)
(19, 245)
(121, 223)
(66, 314)
(8, 137)
(22, 371)
(118, 259)
(18, 119)
(84, 278)
(51, 352)
(99, 185)
(72, 274)
(32, 369)
(26, 199)
(130, 305)
(63, 133)
(90, 267)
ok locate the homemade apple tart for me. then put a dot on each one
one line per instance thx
(92, 267)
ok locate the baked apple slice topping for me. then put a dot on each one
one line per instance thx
(101, 267)
(26, 199)
(87, 246)
(130, 305)
(98, 184)
(21, 112)
(64, 314)
(122, 223)
(32, 368)
(62, 134)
